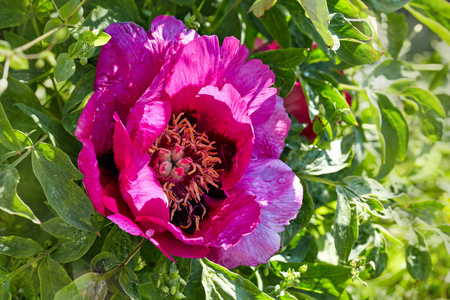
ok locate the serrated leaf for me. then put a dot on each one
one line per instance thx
(10, 202)
(18, 246)
(52, 277)
(288, 58)
(275, 23)
(302, 219)
(260, 6)
(89, 286)
(418, 260)
(219, 283)
(345, 224)
(56, 173)
(317, 12)
(13, 13)
(65, 67)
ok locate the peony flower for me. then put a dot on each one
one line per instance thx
(181, 145)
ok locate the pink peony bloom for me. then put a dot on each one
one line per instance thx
(181, 144)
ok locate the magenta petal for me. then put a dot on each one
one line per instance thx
(138, 183)
(150, 115)
(196, 66)
(270, 135)
(168, 28)
(223, 115)
(253, 80)
(177, 248)
(127, 64)
(126, 224)
(279, 193)
(228, 220)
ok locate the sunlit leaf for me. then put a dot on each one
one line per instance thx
(89, 286)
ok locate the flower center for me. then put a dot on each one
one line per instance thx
(187, 166)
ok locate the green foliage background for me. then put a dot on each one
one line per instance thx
(376, 210)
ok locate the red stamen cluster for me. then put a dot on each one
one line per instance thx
(184, 161)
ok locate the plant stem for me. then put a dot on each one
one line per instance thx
(23, 267)
(130, 256)
(318, 179)
(349, 87)
(23, 156)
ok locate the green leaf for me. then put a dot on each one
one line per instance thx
(60, 36)
(52, 277)
(219, 283)
(418, 260)
(431, 112)
(4, 287)
(13, 13)
(89, 286)
(318, 161)
(119, 242)
(345, 224)
(74, 242)
(288, 58)
(284, 81)
(397, 32)
(355, 52)
(183, 2)
(302, 219)
(56, 173)
(65, 67)
(386, 6)
(10, 202)
(393, 132)
(434, 25)
(317, 12)
(129, 282)
(101, 39)
(347, 8)
(67, 9)
(119, 10)
(333, 100)
(58, 135)
(7, 136)
(104, 262)
(275, 23)
(260, 6)
(366, 187)
(194, 287)
(19, 63)
(18, 246)
(378, 255)
(343, 28)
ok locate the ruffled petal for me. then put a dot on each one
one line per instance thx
(127, 64)
(224, 117)
(279, 193)
(168, 28)
(229, 219)
(195, 67)
(126, 224)
(138, 183)
(150, 115)
(270, 135)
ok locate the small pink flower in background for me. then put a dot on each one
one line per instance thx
(181, 144)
